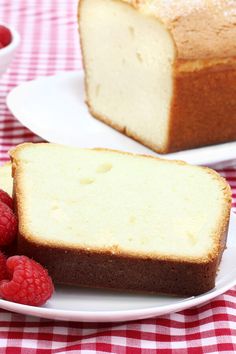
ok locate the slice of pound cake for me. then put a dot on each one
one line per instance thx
(107, 219)
(6, 181)
(162, 72)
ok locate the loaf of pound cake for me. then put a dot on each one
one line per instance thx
(162, 72)
(106, 219)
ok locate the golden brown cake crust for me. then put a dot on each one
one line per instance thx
(200, 29)
(203, 109)
(109, 271)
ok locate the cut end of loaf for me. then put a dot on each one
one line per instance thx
(128, 61)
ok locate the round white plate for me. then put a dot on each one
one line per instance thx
(75, 304)
(54, 108)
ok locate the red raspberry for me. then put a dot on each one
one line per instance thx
(6, 199)
(30, 283)
(5, 36)
(8, 225)
(3, 267)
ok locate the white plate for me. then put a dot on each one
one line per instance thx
(53, 107)
(75, 304)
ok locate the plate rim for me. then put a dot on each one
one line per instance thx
(115, 315)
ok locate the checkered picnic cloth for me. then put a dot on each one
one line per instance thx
(49, 45)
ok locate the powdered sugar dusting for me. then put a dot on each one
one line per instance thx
(200, 28)
(171, 9)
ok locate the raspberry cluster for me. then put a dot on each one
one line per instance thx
(22, 280)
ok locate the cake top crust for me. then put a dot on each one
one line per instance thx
(200, 28)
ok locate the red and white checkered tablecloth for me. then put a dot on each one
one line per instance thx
(49, 45)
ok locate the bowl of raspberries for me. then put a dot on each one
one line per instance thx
(22, 280)
(9, 42)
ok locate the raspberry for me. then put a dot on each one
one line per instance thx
(8, 225)
(30, 283)
(5, 36)
(6, 199)
(3, 267)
